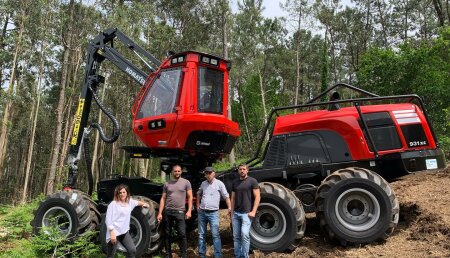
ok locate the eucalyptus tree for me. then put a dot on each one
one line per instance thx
(245, 34)
(20, 18)
(299, 11)
(325, 13)
(187, 21)
(442, 8)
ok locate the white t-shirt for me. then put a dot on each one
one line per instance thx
(118, 217)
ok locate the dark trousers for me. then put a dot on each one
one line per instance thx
(126, 241)
(175, 219)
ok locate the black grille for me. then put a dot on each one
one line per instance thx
(276, 154)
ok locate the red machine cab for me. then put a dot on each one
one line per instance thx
(183, 106)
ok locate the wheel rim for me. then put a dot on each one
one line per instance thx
(269, 224)
(57, 217)
(357, 209)
(135, 231)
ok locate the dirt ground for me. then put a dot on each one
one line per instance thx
(423, 229)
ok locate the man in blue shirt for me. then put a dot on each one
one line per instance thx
(208, 200)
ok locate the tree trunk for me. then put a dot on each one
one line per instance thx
(333, 56)
(439, 12)
(231, 157)
(33, 127)
(244, 116)
(297, 58)
(447, 8)
(382, 23)
(101, 163)
(69, 119)
(113, 156)
(8, 105)
(61, 100)
(2, 37)
(141, 165)
(263, 95)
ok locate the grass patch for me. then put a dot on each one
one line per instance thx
(16, 239)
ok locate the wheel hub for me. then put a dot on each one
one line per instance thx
(269, 224)
(57, 217)
(136, 231)
(357, 209)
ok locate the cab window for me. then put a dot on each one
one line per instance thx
(162, 96)
(210, 90)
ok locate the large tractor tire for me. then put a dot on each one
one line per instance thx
(156, 240)
(356, 206)
(66, 210)
(95, 214)
(279, 221)
(143, 229)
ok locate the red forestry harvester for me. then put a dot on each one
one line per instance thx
(332, 161)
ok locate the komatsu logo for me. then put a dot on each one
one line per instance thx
(136, 76)
(200, 143)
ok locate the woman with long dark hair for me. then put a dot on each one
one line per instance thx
(118, 221)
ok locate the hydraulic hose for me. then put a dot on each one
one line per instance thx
(116, 126)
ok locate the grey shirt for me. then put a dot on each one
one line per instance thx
(176, 194)
(211, 193)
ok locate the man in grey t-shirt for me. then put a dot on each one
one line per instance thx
(173, 201)
(208, 201)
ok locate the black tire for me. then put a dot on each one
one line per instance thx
(279, 209)
(95, 214)
(356, 206)
(142, 225)
(156, 240)
(67, 210)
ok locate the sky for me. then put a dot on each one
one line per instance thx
(272, 7)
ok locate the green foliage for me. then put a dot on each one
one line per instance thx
(225, 165)
(16, 220)
(16, 240)
(17, 248)
(52, 243)
(414, 69)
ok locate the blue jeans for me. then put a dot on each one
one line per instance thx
(211, 217)
(241, 234)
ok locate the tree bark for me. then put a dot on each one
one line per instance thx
(69, 120)
(34, 124)
(61, 100)
(382, 23)
(439, 12)
(224, 6)
(2, 46)
(244, 116)
(263, 94)
(297, 57)
(447, 8)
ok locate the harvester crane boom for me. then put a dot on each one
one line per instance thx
(100, 49)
